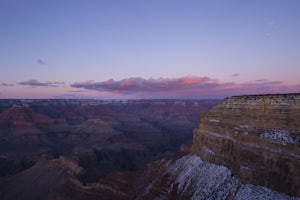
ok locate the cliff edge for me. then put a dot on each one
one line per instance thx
(257, 137)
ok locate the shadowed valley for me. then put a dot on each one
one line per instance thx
(103, 136)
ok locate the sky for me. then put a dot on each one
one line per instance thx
(110, 49)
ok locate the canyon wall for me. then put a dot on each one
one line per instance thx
(257, 137)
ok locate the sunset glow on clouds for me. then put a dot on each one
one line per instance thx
(137, 87)
(134, 85)
(184, 87)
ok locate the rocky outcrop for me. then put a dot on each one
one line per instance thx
(257, 137)
(191, 178)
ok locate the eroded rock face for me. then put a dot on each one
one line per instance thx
(191, 178)
(257, 137)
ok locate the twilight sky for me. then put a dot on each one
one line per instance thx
(148, 48)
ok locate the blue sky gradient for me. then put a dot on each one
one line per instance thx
(76, 41)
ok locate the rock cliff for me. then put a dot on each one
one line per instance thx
(257, 137)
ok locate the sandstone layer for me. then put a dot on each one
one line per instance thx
(257, 137)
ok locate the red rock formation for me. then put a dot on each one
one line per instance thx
(19, 123)
(257, 137)
(22, 116)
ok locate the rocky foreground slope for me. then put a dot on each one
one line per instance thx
(257, 137)
(185, 178)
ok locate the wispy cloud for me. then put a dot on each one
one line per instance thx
(41, 62)
(272, 27)
(261, 80)
(7, 84)
(35, 83)
(78, 91)
(184, 87)
(236, 74)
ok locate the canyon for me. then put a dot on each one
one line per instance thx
(103, 135)
(245, 147)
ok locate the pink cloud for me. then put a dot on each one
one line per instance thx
(184, 87)
(136, 84)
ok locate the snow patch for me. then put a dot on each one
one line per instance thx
(220, 135)
(283, 103)
(214, 121)
(201, 180)
(281, 136)
(249, 191)
(194, 179)
(244, 126)
(208, 151)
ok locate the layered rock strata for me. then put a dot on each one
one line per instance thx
(257, 137)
